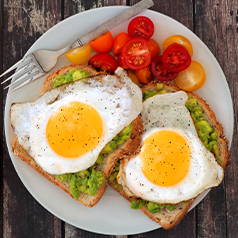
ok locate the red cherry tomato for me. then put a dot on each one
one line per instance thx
(176, 58)
(141, 27)
(104, 62)
(136, 54)
(154, 48)
(103, 43)
(121, 62)
(160, 72)
(144, 75)
(119, 41)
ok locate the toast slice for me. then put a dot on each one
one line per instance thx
(168, 218)
(109, 161)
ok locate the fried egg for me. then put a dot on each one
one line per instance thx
(66, 129)
(173, 165)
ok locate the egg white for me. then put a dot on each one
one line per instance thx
(168, 112)
(117, 100)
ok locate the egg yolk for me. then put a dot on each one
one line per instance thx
(75, 129)
(165, 158)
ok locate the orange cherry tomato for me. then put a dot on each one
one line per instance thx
(154, 48)
(121, 62)
(119, 41)
(103, 43)
(133, 77)
(192, 78)
(144, 75)
(179, 40)
(79, 55)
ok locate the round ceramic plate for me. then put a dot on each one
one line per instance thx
(112, 215)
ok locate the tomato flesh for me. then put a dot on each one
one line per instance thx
(176, 58)
(119, 41)
(79, 55)
(103, 43)
(154, 48)
(141, 27)
(192, 78)
(144, 75)
(121, 62)
(103, 62)
(160, 72)
(136, 54)
(180, 40)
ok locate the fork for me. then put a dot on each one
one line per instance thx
(36, 64)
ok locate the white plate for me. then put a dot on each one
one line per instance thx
(112, 215)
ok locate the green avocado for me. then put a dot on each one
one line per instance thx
(86, 181)
(73, 75)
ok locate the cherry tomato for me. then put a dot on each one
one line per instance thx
(103, 43)
(104, 62)
(192, 78)
(176, 58)
(141, 27)
(144, 75)
(133, 77)
(136, 54)
(180, 40)
(121, 62)
(79, 55)
(119, 41)
(154, 48)
(160, 72)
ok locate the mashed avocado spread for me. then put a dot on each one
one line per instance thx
(88, 181)
(73, 75)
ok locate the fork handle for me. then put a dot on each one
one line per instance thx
(113, 22)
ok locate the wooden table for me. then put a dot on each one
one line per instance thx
(214, 22)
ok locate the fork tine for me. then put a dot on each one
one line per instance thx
(35, 76)
(26, 75)
(14, 66)
(22, 68)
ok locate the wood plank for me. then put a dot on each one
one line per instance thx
(1, 117)
(216, 25)
(23, 216)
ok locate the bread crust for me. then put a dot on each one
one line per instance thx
(166, 218)
(109, 161)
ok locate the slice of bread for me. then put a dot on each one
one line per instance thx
(166, 218)
(125, 149)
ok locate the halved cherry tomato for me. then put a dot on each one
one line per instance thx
(154, 48)
(176, 58)
(136, 54)
(119, 41)
(160, 72)
(121, 62)
(133, 77)
(141, 27)
(103, 43)
(192, 78)
(180, 40)
(79, 55)
(104, 62)
(144, 75)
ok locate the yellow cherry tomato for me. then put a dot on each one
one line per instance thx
(192, 78)
(79, 55)
(179, 40)
(133, 77)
